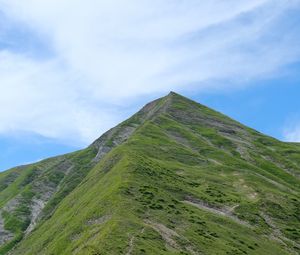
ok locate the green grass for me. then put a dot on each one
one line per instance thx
(133, 199)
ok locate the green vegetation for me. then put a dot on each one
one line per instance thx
(187, 181)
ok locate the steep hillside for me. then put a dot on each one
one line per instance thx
(175, 178)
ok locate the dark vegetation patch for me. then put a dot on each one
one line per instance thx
(8, 179)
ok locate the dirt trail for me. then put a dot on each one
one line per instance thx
(226, 212)
(166, 233)
(100, 220)
(131, 243)
(169, 235)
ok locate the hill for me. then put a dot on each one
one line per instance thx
(175, 178)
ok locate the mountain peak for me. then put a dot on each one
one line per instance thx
(177, 107)
(174, 178)
(172, 93)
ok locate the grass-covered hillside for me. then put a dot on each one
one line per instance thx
(175, 178)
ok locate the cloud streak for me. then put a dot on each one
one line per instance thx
(291, 132)
(292, 135)
(104, 54)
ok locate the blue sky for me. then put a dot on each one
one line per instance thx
(69, 70)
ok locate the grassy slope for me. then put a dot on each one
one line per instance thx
(31, 182)
(131, 202)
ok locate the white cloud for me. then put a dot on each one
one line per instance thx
(291, 132)
(108, 53)
(32, 99)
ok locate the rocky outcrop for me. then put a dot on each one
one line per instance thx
(5, 235)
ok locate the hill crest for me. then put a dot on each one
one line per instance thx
(175, 178)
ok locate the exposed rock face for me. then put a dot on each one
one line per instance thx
(5, 235)
(12, 204)
(37, 205)
(122, 132)
(111, 139)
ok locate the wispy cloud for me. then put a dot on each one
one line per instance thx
(45, 98)
(104, 54)
(291, 132)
